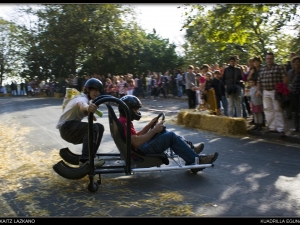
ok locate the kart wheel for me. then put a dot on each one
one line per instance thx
(194, 171)
(93, 187)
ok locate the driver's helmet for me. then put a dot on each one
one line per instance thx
(133, 103)
(93, 83)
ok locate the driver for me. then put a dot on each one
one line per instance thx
(157, 140)
(73, 130)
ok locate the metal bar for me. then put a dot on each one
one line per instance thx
(165, 168)
(110, 171)
(108, 154)
(120, 103)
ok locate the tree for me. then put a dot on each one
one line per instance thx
(93, 38)
(10, 50)
(245, 28)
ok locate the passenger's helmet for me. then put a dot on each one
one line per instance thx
(93, 83)
(133, 103)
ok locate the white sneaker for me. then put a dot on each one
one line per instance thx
(98, 162)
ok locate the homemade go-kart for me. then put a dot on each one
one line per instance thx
(126, 160)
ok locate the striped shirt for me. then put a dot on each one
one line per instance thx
(269, 77)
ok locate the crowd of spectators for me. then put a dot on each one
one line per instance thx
(196, 82)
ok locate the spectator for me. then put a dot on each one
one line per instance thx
(122, 87)
(13, 88)
(219, 88)
(256, 106)
(154, 86)
(254, 73)
(231, 79)
(294, 86)
(224, 65)
(269, 76)
(166, 78)
(289, 65)
(47, 88)
(1, 89)
(179, 83)
(148, 84)
(26, 86)
(173, 85)
(22, 88)
(288, 108)
(139, 86)
(108, 86)
(161, 85)
(130, 86)
(198, 89)
(246, 99)
(190, 79)
(116, 86)
(208, 101)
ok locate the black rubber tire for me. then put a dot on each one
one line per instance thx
(71, 173)
(194, 171)
(69, 156)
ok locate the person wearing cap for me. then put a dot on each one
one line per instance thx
(190, 79)
(71, 127)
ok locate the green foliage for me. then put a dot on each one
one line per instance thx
(11, 52)
(93, 38)
(238, 29)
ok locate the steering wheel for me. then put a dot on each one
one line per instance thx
(160, 115)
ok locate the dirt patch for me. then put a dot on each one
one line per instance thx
(30, 187)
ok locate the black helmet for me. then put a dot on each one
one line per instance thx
(94, 83)
(133, 103)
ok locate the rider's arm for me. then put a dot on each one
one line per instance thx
(148, 126)
(138, 140)
(85, 107)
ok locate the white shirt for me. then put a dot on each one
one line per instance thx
(72, 111)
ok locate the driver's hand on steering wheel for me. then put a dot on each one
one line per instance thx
(153, 122)
(159, 127)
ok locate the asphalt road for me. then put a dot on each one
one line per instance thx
(251, 178)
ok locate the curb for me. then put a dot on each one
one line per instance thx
(275, 136)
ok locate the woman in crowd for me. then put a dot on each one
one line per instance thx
(294, 86)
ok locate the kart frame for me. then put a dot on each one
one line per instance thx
(133, 161)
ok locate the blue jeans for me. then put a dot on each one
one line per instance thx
(168, 139)
(179, 91)
(234, 104)
(225, 105)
